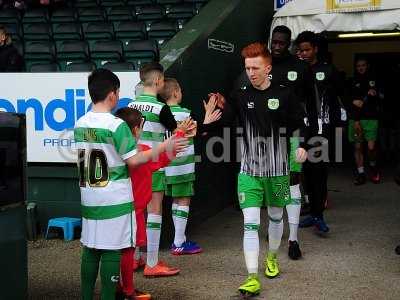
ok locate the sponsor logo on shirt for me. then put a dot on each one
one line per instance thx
(292, 75)
(320, 76)
(273, 103)
(372, 83)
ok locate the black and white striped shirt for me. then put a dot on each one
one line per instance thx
(268, 118)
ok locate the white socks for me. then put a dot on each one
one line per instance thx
(293, 211)
(251, 244)
(275, 228)
(180, 221)
(153, 238)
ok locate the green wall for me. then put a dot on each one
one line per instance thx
(187, 57)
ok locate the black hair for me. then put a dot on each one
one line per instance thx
(307, 37)
(131, 116)
(361, 58)
(100, 83)
(285, 30)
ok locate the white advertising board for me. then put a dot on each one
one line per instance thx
(52, 103)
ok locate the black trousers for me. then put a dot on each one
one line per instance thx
(316, 186)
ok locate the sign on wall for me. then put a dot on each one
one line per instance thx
(53, 102)
(280, 3)
(352, 5)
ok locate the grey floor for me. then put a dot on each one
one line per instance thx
(356, 260)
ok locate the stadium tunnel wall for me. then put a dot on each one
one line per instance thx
(204, 57)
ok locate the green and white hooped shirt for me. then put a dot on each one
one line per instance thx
(181, 169)
(103, 143)
(153, 132)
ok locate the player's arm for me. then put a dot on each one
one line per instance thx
(358, 100)
(297, 126)
(308, 87)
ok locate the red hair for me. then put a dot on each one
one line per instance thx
(256, 50)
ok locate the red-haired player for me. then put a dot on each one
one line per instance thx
(268, 114)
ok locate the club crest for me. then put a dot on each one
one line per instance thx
(292, 75)
(320, 76)
(273, 103)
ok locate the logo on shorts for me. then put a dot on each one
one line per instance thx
(292, 75)
(250, 104)
(273, 103)
(114, 278)
(320, 76)
(242, 198)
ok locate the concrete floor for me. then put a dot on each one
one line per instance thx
(356, 260)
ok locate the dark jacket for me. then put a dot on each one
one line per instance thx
(360, 87)
(10, 60)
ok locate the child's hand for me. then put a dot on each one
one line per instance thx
(176, 143)
(186, 125)
(192, 130)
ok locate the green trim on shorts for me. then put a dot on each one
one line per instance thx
(180, 190)
(293, 164)
(263, 191)
(369, 129)
(158, 182)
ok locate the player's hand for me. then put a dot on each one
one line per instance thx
(357, 129)
(219, 99)
(372, 93)
(301, 155)
(358, 103)
(212, 117)
(209, 106)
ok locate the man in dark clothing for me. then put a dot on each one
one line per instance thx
(327, 89)
(10, 60)
(364, 123)
(289, 71)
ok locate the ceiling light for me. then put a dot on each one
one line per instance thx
(367, 35)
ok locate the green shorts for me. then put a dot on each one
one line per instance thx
(369, 131)
(263, 191)
(293, 165)
(158, 181)
(179, 190)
